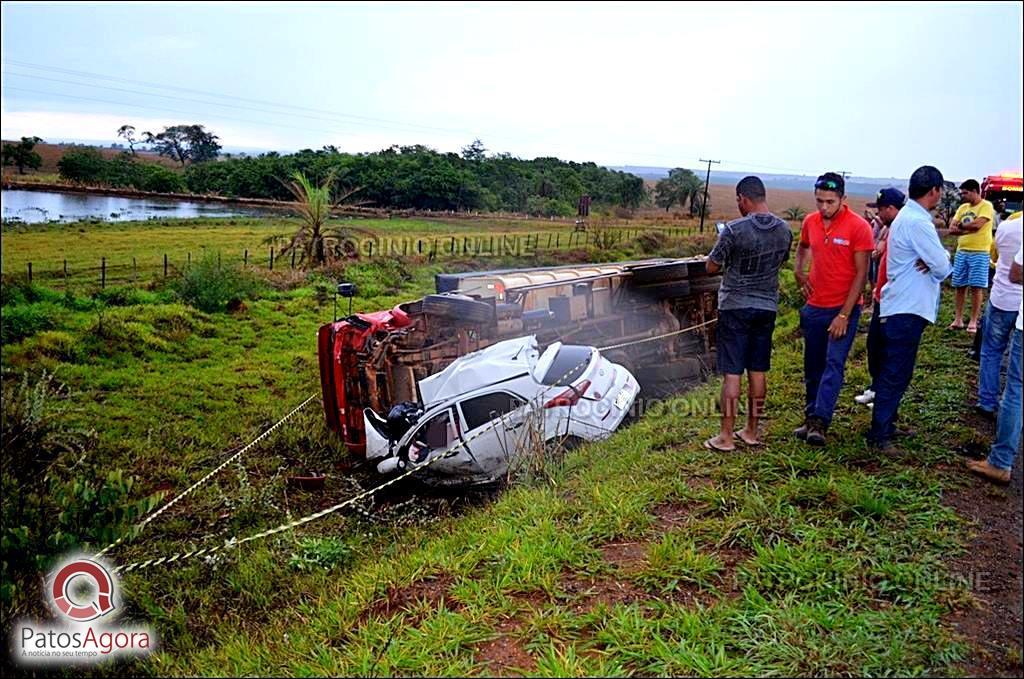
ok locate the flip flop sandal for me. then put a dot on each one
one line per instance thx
(711, 446)
(745, 442)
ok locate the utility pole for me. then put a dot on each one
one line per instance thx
(845, 173)
(704, 205)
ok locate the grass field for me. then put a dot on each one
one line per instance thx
(644, 554)
(84, 245)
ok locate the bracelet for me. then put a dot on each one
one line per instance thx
(844, 316)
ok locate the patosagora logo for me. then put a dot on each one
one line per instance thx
(63, 597)
(83, 595)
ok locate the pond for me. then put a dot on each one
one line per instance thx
(40, 207)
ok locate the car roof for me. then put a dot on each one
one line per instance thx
(500, 362)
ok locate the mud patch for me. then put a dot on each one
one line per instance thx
(587, 593)
(505, 656)
(669, 515)
(431, 592)
(992, 567)
(625, 556)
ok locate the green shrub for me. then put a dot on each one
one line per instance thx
(83, 165)
(114, 332)
(320, 553)
(58, 345)
(51, 500)
(158, 178)
(18, 321)
(209, 287)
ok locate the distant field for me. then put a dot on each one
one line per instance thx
(52, 153)
(723, 200)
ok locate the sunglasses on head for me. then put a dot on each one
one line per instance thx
(826, 184)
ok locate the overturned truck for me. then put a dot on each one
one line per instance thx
(376, 360)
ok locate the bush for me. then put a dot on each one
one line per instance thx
(85, 165)
(209, 287)
(18, 321)
(117, 332)
(549, 207)
(159, 178)
(50, 501)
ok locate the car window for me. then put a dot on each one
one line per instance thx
(437, 432)
(569, 363)
(480, 410)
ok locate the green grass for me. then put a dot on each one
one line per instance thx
(83, 244)
(788, 560)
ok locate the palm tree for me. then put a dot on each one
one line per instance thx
(795, 213)
(316, 242)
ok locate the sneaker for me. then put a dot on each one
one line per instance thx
(816, 432)
(983, 468)
(867, 397)
(801, 431)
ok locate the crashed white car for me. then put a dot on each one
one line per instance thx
(478, 408)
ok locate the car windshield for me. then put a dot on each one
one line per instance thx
(569, 363)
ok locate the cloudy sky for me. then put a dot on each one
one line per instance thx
(876, 89)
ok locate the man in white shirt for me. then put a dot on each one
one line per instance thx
(1000, 316)
(1004, 449)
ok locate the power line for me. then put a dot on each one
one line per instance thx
(373, 123)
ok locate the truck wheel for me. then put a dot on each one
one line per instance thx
(458, 307)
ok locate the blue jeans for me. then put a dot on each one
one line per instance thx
(875, 346)
(997, 329)
(1004, 449)
(902, 338)
(824, 358)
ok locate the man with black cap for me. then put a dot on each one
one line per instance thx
(973, 222)
(888, 204)
(916, 265)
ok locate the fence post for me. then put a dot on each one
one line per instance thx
(558, 241)
(135, 270)
(370, 254)
(419, 246)
(188, 263)
(165, 265)
(103, 272)
(293, 258)
(271, 258)
(452, 247)
(218, 259)
(65, 269)
(245, 258)
(30, 273)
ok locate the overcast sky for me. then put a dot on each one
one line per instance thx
(874, 89)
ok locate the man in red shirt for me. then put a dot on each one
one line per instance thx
(838, 243)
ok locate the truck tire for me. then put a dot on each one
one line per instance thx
(458, 307)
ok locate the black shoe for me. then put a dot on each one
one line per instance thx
(816, 430)
(903, 433)
(989, 415)
(801, 431)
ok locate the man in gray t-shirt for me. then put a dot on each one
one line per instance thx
(750, 251)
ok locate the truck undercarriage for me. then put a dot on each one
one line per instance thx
(375, 360)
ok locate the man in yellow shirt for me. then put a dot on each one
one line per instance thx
(973, 222)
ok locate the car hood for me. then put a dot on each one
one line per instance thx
(496, 363)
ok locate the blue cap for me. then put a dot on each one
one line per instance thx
(890, 196)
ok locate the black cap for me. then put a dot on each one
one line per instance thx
(891, 197)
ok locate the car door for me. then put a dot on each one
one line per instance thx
(496, 425)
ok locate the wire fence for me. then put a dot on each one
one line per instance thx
(132, 270)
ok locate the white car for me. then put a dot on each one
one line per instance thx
(476, 410)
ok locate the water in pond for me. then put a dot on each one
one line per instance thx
(35, 207)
